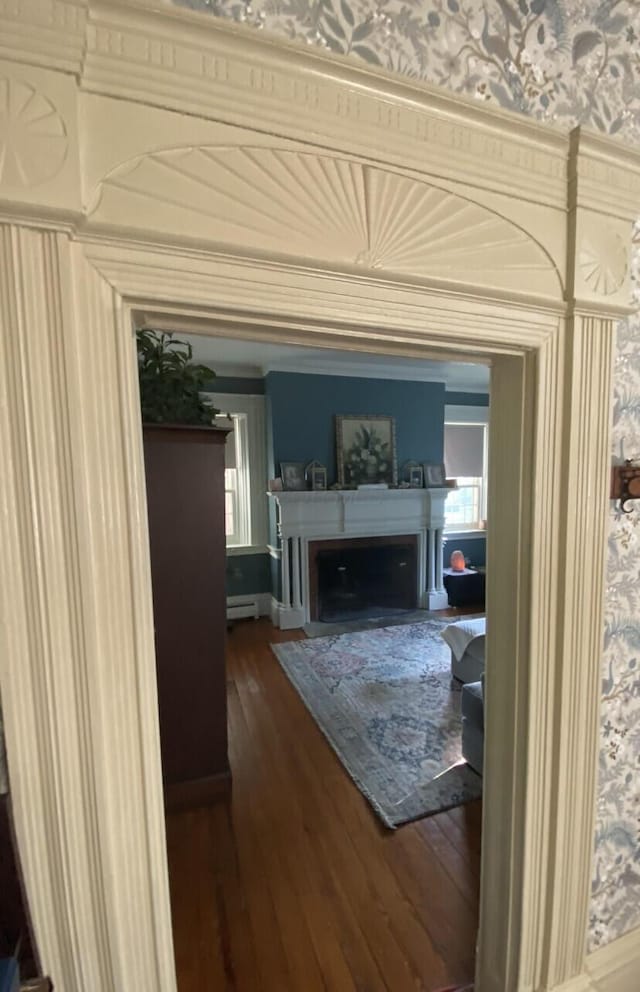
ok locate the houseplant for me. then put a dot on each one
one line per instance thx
(171, 382)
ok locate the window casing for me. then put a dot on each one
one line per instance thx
(237, 484)
(466, 442)
(246, 521)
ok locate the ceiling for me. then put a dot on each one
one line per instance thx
(250, 359)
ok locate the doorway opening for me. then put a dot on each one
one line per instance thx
(348, 872)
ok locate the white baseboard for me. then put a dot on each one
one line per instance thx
(616, 967)
(275, 612)
(581, 983)
(290, 617)
(286, 617)
(437, 600)
(256, 605)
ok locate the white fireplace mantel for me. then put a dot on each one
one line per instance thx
(330, 515)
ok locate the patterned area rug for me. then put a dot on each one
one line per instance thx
(386, 702)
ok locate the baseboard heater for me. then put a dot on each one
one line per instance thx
(245, 608)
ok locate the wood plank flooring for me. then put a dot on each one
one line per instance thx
(295, 886)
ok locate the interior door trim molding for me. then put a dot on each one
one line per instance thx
(84, 252)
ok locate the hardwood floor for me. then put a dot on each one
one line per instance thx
(295, 886)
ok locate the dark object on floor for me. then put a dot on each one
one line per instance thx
(464, 588)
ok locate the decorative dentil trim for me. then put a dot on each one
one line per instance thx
(181, 59)
(50, 33)
(606, 172)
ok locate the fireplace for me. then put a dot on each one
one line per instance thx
(407, 520)
(354, 578)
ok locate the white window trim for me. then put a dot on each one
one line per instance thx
(253, 407)
(457, 414)
(471, 535)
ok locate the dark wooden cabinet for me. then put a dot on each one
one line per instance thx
(15, 927)
(185, 497)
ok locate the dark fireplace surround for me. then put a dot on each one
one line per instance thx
(360, 576)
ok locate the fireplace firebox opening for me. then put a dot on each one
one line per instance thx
(356, 578)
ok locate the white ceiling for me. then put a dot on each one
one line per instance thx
(233, 357)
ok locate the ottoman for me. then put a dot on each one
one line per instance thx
(465, 588)
(466, 641)
(472, 709)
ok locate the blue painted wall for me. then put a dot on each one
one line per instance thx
(302, 409)
(467, 399)
(474, 549)
(248, 574)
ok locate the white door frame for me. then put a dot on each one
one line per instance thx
(200, 170)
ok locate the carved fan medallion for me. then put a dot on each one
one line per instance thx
(33, 138)
(316, 206)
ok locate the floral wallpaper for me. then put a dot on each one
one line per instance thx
(570, 62)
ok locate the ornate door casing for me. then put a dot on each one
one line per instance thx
(161, 163)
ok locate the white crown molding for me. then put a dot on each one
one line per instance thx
(236, 371)
(336, 367)
(361, 370)
(376, 370)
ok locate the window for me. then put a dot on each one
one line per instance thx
(245, 476)
(465, 456)
(236, 484)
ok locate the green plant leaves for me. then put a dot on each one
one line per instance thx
(170, 383)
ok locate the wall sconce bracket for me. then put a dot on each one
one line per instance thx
(625, 483)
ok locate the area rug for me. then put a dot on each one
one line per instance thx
(319, 628)
(386, 703)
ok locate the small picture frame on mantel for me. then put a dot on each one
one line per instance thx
(435, 476)
(292, 474)
(316, 476)
(413, 475)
